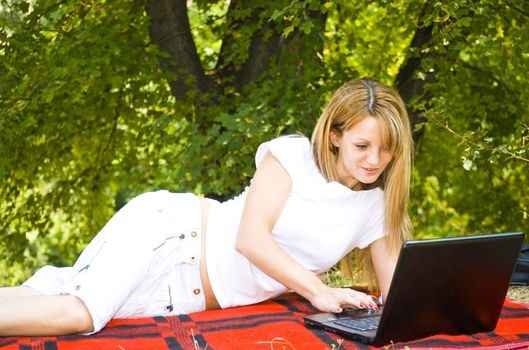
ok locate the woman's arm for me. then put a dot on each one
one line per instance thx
(265, 201)
(384, 263)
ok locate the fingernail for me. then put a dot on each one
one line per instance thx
(362, 306)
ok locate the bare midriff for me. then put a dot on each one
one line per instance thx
(209, 296)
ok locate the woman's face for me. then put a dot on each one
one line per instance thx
(362, 155)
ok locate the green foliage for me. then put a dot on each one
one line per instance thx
(369, 38)
(87, 118)
(472, 164)
(79, 98)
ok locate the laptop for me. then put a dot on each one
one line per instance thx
(449, 285)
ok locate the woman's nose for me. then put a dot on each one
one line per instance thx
(373, 157)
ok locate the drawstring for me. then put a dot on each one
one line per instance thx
(170, 306)
(95, 255)
(181, 236)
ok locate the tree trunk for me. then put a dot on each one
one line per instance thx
(170, 30)
(408, 86)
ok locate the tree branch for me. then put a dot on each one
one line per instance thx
(516, 8)
(225, 66)
(478, 145)
(405, 82)
(262, 49)
(169, 29)
(302, 48)
(266, 43)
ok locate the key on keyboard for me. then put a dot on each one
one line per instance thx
(361, 324)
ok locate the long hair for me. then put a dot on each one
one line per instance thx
(350, 104)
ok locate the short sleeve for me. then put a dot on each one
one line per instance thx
(293, 152)
(374, 228)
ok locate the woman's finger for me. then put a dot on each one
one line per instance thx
(360, 300)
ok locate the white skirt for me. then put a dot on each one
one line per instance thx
(144, 262)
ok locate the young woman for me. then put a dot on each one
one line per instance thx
(310, 204)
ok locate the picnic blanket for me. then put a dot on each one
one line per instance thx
(274, 325)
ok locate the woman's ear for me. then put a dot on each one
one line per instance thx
(335, 138)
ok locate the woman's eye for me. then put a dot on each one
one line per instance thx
(361, 146)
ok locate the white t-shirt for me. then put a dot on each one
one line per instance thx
(320, 223)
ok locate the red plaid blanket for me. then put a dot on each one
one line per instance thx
(274, 325)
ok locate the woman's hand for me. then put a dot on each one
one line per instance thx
(336, 299)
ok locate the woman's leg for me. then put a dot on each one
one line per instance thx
(120, 255)
(39, 315)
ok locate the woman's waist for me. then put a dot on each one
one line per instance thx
(209, 295)
(236, 281)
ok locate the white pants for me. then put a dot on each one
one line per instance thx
(144, 262)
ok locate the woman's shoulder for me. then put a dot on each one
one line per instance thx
(292, 141)
(292, 151)
(287, 146)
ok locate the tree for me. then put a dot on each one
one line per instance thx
(80, 104)
(102, 100)
(476, 122)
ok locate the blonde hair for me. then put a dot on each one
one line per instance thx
(350, 104)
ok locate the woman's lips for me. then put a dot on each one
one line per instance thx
(371, 171)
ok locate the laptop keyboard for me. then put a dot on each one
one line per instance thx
(359, 324)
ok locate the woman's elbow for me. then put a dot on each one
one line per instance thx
(246, 243)
(241, 244)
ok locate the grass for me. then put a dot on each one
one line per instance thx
(519, 293)
(335, 279)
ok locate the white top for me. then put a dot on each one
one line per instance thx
(321, 222)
